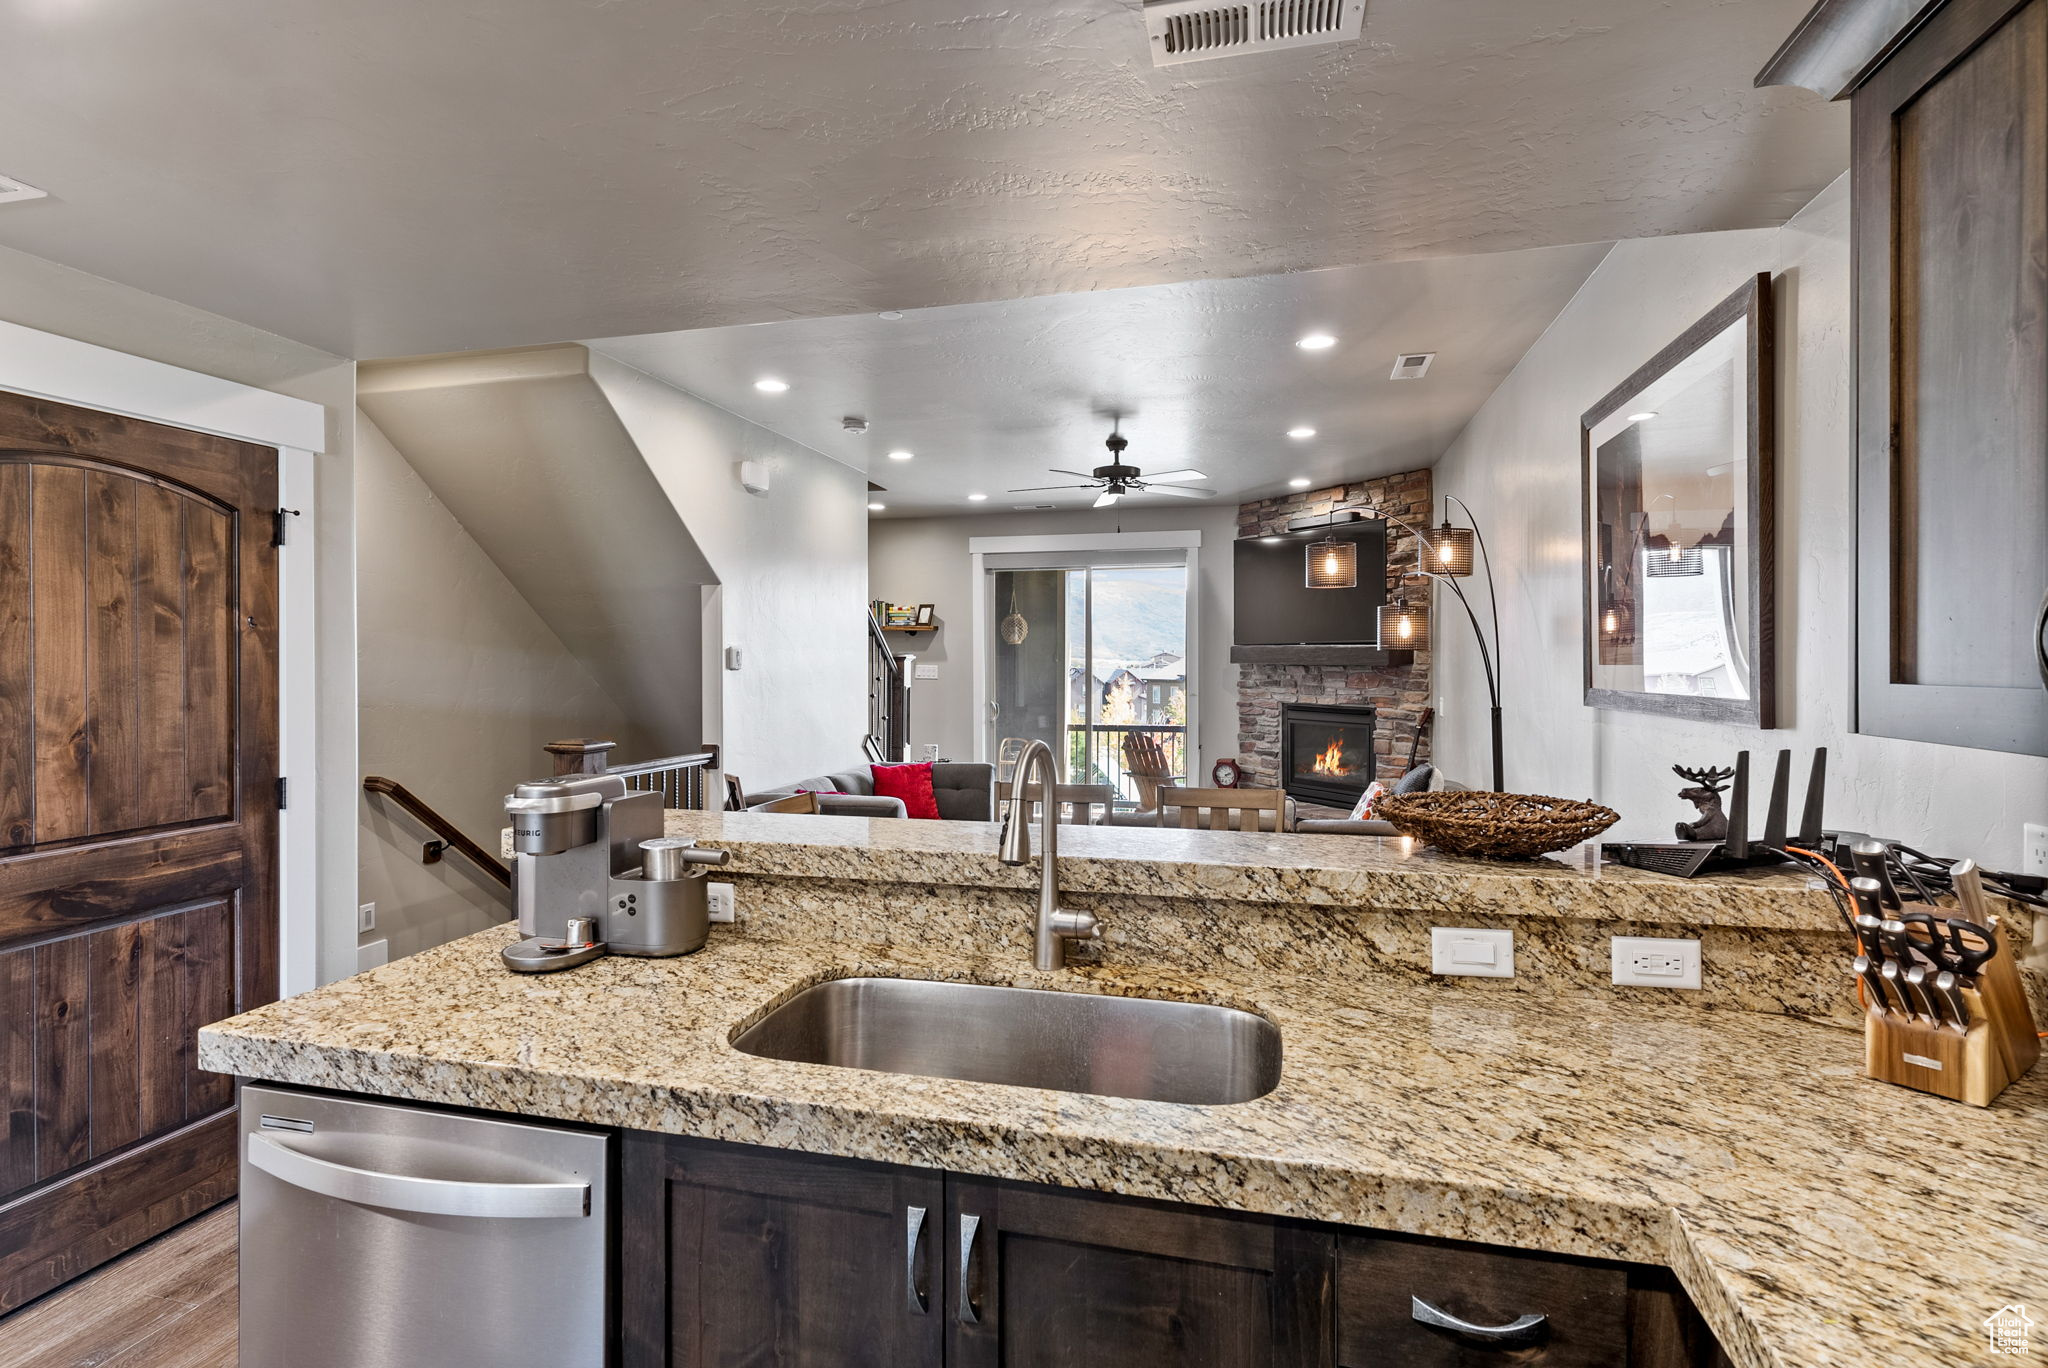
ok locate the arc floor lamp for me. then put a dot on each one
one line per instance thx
(1445, 555)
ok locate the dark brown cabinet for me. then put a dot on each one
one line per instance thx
(738, 1256)
(735, 1257)
(1950, 206)
(1048, 1278)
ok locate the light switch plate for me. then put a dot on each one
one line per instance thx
(1479, 953)
(1654, 962)
(925, 671)
(366, 917)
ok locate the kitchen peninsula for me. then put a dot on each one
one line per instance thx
(1420, 1129)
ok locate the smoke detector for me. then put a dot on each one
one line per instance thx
(12, 190)
(1412, 365)
(1197, 30)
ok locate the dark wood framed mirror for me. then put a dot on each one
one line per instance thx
(1678, 510)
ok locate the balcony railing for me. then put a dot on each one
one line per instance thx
(1095, 755)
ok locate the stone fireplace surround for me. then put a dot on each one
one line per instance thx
(1400, 692)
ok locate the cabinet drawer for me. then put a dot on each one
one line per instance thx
(1584, 1306)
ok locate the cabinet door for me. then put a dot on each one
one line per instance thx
(738, 1256)
(1950, 201)
(1043, 1278)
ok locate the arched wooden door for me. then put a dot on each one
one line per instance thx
(138, 821)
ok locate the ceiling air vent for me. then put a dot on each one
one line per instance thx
(1196, 30)
(1412, 365)
(12, 190)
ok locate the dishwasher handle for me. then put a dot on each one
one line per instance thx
(420, 1196)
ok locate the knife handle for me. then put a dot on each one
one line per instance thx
(1873, 862)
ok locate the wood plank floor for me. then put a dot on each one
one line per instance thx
(168, 1304)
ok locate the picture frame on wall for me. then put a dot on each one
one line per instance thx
(1678, 512)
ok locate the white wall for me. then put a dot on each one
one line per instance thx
(925, 560)
(461, 684)
(792, 578)
(1517, 464)
(57, 299)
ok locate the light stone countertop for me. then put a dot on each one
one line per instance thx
(1342, 871)
(1815, 1216)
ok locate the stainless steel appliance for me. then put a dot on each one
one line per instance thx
(377, 1235)
(593, 874)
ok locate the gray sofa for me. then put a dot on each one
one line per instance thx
(965, 790)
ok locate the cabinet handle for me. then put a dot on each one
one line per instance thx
(913, 1231)
(1444, 1320)
(970, 1226)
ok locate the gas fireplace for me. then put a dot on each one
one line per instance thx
(1326, 751)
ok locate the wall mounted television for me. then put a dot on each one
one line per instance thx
(1273, 605)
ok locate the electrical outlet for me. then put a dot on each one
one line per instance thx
(2034, 848)
(720, 896)
(1479, 953)
(366, 917)
(1650, 962)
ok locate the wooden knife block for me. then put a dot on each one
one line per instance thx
(2000, 1047)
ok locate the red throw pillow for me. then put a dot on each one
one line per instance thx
(911, 783)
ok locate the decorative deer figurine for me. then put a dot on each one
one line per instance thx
(1706, 796)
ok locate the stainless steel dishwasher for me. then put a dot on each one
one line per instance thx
(380, 1235)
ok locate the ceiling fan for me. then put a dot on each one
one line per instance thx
(1117, 479)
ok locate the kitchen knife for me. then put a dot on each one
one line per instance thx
(1899, 962)
(1930, 939)
(1866, 969)
(1869, 926)
(1873, 862)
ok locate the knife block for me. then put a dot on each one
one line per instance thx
(1999, 1048)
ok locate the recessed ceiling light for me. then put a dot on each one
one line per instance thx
(901, 455)
(768, 384)
(1317, 341)
(890, 315)
(1645, 416)
(976, 498)
(876, 508)
(1301, 434)
(1299, 482)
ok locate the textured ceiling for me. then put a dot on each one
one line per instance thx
(381, 177)
(988, 396)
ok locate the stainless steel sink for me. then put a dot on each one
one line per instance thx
(1073, 1042)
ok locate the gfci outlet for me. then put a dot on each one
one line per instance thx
(366, 917)
(1654, 963)
(2034, 848)
(720, 896)
(1466, 950)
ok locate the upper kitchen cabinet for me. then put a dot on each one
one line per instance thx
(1949, 106)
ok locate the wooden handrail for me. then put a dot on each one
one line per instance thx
(450, 837)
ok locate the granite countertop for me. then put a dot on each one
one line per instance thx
(1815, 1216)
(1340, 871)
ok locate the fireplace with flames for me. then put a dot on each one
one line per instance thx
(1326, 751)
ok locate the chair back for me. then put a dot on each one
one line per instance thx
(1077, 801)
(803, 803)
(1222, 809)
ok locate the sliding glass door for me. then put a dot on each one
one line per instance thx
(1094, 659)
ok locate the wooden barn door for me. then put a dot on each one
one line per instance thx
(138, 821)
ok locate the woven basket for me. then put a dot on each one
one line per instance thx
(1499, 826)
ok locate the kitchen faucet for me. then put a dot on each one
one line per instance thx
(1056, 925)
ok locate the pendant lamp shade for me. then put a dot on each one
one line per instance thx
(1448, 551)
(1332, 564)
(1404, 626)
